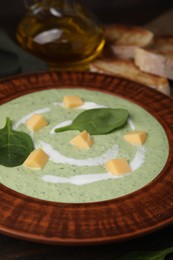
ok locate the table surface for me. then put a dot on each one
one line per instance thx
(11, 248)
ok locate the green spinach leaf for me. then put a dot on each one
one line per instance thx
(154, 255)
(98, 121)
(15, 146)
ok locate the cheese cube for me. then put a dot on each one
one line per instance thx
(37, 159)
(82, 141)
(118, 166)
(36, 122)
(72, 101)
(136, 137)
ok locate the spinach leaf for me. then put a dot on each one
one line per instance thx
(154, 255)
(15, 146)
(98, 121)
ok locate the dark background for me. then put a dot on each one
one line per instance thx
(127, 11)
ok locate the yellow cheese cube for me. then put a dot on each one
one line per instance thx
(36, 122)
(72, 101)
(136, 137)
(36, 159)
(82, 141)
(118, 166)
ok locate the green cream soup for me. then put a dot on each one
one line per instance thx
(74, 175)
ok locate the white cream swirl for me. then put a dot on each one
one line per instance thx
(83, 179)
(57, 157)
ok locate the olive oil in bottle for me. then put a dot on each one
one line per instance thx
(62, 33)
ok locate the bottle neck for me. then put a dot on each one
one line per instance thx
(64, 4)
(28, 3)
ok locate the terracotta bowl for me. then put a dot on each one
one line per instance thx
(141, 212)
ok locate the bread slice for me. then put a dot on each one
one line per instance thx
(164, 45)
(128, 70)
(124, 39)
(154, 62)
(158, 59)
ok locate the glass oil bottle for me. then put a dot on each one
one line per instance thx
(62, 33)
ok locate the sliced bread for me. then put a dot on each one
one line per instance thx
(155, 62)
(128, 70)
(163, 44)
(124, 39)
(158, 59)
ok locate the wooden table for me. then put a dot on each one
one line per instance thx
(11, 248)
